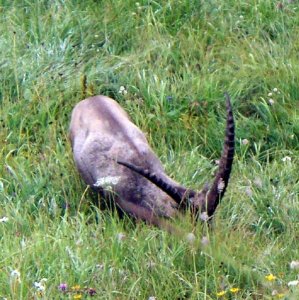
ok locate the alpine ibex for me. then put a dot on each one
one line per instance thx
(115, 159)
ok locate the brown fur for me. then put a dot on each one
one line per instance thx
(114, 157)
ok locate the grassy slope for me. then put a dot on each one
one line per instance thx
(175, 60)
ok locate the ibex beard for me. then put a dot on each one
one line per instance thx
(114, 158)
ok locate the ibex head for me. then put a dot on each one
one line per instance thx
(207, 199)
(110, 150)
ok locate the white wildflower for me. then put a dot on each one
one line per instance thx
(41, 285)
(293, 283)
(190, 237)
(294, 264)
(100, 266)
(4, 220)
(23, 243)
(120, 237)
(271, 101)
(245, 142)
(152, 298)
(286, 158)
(275, 90)
(204, 216)
(241, 17)
(270, 94)
(15, 275)
(122, 90)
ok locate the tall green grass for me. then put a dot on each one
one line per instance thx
(175, 59)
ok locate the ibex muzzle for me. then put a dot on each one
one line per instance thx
(115, 159)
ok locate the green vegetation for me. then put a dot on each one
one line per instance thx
(175, 59)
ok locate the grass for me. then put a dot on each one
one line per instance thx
(175, 59)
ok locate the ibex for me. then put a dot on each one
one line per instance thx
(115, 159)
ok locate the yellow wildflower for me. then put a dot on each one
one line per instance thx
(234, 290)
(270, 277)
(221, 293)
(78, 296)
(277, 294)
(76, 287)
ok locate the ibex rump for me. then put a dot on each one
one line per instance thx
(114, 158)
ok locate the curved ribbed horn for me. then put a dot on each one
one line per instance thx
(219, 185)
(217, 190)
(177, 193)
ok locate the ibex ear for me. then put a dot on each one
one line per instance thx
(198, 201)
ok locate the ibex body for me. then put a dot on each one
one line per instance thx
(114, 158)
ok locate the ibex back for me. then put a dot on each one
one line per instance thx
(115, 159)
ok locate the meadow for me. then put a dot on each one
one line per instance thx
(168, 63)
